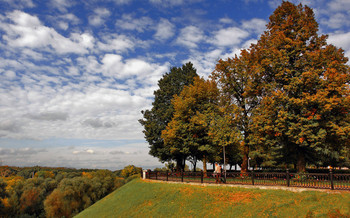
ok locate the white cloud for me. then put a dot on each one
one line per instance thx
(65, 21)
(255, 25)
(341, 40)
(165, 3)
(112, 64)
(339, 5)
(190, 36)
(122, 2)
(9, 126)
(87, 151)
(20, 3)
(10, 74)
(79, 109)
(49, 116)
(61, 5)
(99, 16)
(226, 20)
(21, 151)
(274, 3)
(138, 70)
(27, 31)
(101, 154)
(98, 123)
(113, 114)
(63, 25)
(70, 17)
(229, 37)
(117, 43)
(128, 22)
(165, 30)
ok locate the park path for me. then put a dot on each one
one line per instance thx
(292, 189)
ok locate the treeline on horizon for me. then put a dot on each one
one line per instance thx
(56, 192)
(284, 102)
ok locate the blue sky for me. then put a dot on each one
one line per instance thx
(76, 74)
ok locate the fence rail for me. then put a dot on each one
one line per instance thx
(329, 180)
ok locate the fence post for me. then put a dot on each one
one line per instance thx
(252, 173)
(167, 175)
(331, 177)
(202, 175)
(182, 176)
(287, 177)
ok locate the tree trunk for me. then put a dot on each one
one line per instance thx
(244, 167)
(204, 166)
(301, 163)
(179, 165)
(195, 165)
(183, 164)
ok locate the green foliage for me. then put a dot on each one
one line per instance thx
(130, 178)
(239, 98)
(147, 199)
(156, 119)
(130, 170)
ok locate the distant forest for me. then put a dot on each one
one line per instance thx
(56, 192)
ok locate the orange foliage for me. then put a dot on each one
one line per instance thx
(87, 174)
(278, 134)
(6, 202)
(29, 199)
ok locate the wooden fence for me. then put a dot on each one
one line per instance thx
(333, 181)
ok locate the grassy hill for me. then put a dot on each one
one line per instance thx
(151, 199)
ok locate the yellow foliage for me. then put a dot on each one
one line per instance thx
(11, 181)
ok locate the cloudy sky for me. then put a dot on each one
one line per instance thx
(74, 75)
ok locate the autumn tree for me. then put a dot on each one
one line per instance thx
(130, 170)
(304, 88)
(157, 118)
(3, 195)
(70, 197)
(237, 90)
(187, 135)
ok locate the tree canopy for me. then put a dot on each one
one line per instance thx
(157, 118)
(304, 88)
(187, 134)
(285, 100)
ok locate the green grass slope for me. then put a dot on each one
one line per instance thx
(151, 199)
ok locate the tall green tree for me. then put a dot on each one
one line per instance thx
(157, 118)
(237, 89)
(187, 135)
(305, 104)
(224, 133)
